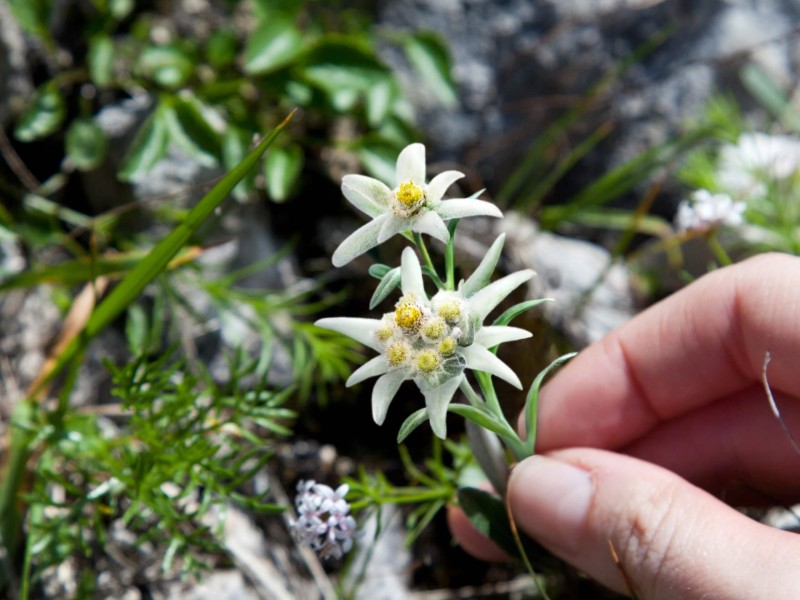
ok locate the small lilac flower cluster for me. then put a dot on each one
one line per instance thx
(323, 521)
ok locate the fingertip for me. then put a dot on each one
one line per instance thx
(550, 500)
(667, 535)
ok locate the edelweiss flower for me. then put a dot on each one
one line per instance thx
(704, 211)
(323, 520)
(412, 205)
(432, 341)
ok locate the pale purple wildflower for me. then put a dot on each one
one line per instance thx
(323, 520)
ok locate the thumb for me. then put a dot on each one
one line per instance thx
(673, 540)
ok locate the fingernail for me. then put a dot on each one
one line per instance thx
(550, 500)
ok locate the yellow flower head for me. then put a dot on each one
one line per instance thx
(428, 361)
(385, 331)
(407, 315)
(447, 346)
(449, 309)
(398, 354)
(409, 194)
(434, 328)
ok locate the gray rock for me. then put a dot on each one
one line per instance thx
(218, 585)
(384, 562)
(30, 321)
(519, 64)
(592, 295)
(12, 261)
(16, 85)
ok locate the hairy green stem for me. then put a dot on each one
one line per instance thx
(489, 394)
(420, 243)
(471, 394)
(509, 435)
(449, 256)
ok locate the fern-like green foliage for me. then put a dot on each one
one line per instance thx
(185, 448)
(318, 357)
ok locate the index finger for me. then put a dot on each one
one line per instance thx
(702, 343)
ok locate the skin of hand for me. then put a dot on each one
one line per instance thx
(646, 438)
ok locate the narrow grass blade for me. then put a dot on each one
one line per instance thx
(82, 270)
(159, 257)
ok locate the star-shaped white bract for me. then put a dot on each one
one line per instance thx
(412, 205)
(431, 341)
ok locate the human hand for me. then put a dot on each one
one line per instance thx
(675, 412)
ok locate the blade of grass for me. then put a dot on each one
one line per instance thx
(623, 220)
(621, 179)
(159, 257)
(82, 270)
(535, 164)
(532, 199)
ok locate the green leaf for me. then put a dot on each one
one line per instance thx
(148, 147)
(120, 9)
(379, 271)
(453, 366)
(344, 70)
(282, 169)
(411, 423)
(471, 327)
(136, 329)
(272, 45)
(539, 187)
(101, 60)
(44, 116)
(378, 158)
(86, 144)
(765, 90)
(235, 142)
(33, 16)
(388, 284)
(425, 516)
(190, 129)
(270, 9)
(221, 48)
(428, 54)
(129, 289)
(513, 312)
(488, 515)
(532, 401)
(480, 417)
(379, 102)
(169, 66)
